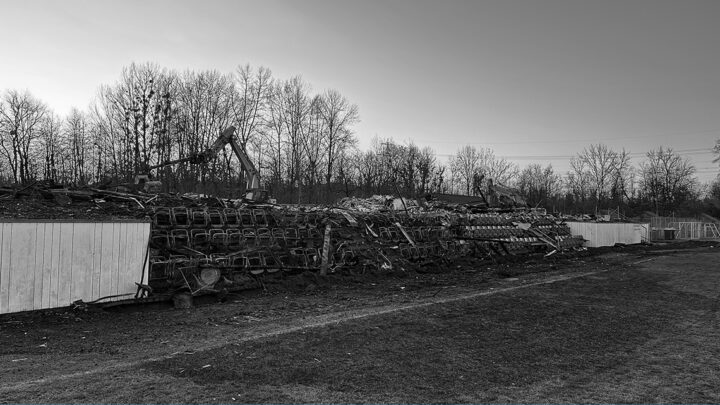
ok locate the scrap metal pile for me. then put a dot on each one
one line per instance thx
(202, 243)
(223, 246)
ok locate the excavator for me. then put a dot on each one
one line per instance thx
(498, 195)
(253, 192)
(503, 196)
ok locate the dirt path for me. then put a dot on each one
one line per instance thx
(39, 356)
(289, 327)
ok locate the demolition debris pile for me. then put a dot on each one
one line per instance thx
(201, 243)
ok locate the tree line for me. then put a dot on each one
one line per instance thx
(304, 144)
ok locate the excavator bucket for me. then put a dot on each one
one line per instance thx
(143, 182)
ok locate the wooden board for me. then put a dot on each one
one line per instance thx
(51, 264)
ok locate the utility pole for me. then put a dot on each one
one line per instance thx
(386, 157)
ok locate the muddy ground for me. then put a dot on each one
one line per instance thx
(536, 330)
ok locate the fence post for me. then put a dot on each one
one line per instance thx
(326, 252)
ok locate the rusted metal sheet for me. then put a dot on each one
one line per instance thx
(52, 264)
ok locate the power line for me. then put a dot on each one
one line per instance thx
(682, 152)
(576, 139)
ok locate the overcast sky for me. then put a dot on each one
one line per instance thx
(535, 80)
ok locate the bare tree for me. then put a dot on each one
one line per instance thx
(252, 90)
(538, 184)
(466, 164)
(106, 127)
(407, 169)
(338, 116)
(578, 180)
(203, 109)
(273, 139)
(79, 146)
(393, 170)
(365, 168)
(429, 174)
(20, 117)
(499, 169)
(624, 177)
(668, 179)
(473, 167)
(51, 147)
(290, 107)
(599, 172)
(312, 147)
(713, 193)
(131, 115)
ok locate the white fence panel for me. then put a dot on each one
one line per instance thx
(51, 264)
(608, 234)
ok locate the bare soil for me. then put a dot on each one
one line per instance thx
(632, 324)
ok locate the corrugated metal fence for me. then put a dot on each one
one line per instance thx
(51, 264)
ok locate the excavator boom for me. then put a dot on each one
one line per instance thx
(226, 137)
(253, 176)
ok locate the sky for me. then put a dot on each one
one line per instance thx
(534, 80)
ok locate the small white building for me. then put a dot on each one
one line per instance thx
(600, 234)
(50, 264)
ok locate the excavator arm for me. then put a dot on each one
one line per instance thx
(225, 138)
(205, 156)
(253, 176)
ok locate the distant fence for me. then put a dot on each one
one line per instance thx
(47, 264)
(669, 222)
(696, 230)
(684, 228)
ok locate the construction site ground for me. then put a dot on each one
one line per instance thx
(629, 324)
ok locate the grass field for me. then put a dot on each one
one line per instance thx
(642, 333)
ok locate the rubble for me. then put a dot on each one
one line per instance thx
(202, 243)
